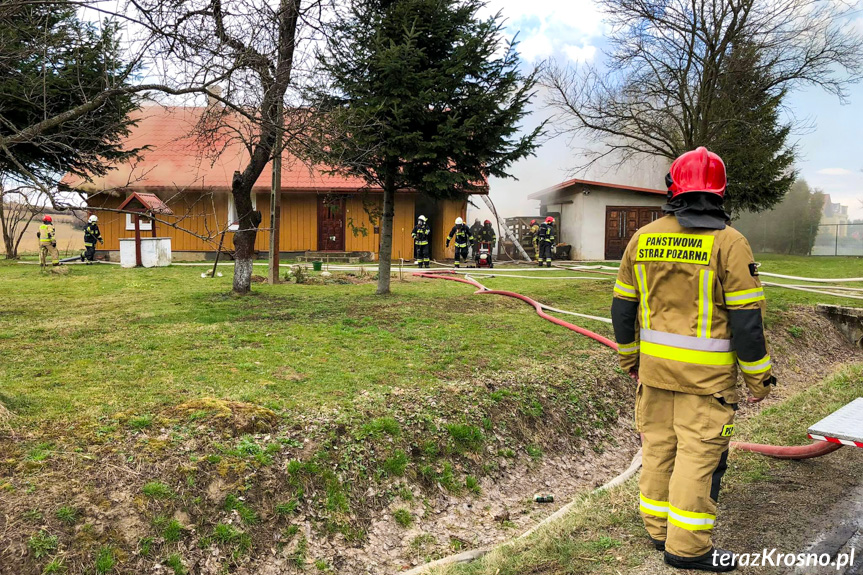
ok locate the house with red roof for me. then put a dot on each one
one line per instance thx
(320, 212)
(598, 219)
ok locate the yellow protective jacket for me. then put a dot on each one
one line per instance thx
(687, 310)
(46, 234)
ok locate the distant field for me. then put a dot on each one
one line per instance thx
(69, 240)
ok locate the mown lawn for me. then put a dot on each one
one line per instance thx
(103, 339)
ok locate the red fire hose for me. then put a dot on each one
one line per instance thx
(796, 452)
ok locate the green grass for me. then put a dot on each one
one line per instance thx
(56, 565)
(42, 544)
(157, 490)
(105, 560)
(67, 514)
(175, 562)
(403, 517)
(145, 338)
(246, 513)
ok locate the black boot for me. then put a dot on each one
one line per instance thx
(659, 544)
(715, 560)
(548, 264)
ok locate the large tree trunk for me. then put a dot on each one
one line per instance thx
(386, 247)
(244, 238)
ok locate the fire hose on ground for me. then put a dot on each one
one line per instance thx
(795, 452)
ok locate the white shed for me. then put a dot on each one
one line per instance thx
(598, 219)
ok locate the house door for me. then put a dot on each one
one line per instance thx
(331, 223)
(621, 223)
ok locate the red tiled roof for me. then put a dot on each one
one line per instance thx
(563, 185)
(176, 161)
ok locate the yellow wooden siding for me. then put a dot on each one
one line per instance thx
(203, 215)
(298, 228)
(357, 220)
(207, 214)
(449, 211)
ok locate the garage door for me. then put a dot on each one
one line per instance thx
(621, 223)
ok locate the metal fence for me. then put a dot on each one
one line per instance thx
(838, 240)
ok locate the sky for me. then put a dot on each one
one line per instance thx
(573, 31)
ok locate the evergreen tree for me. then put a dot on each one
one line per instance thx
(749, 135)
(422, 95)
(51, 62)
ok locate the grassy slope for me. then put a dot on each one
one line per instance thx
(605, 535)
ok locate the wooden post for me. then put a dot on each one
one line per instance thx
(138, 241)
(276, 203)
(153, 225)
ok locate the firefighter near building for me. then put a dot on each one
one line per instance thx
(422, 249)
(687, 286)
(545, 238)
(463, 239)
(48, 243)
(91, 236)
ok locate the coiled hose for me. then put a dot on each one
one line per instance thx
(795, 452)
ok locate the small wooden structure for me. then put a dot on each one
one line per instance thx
(148, 205)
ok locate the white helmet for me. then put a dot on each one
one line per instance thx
(93, 219)
(459, 221)
(422, 218)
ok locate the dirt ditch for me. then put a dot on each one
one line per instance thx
(392, 481)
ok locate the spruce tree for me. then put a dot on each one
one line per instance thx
(421, 95)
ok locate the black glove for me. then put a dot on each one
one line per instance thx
(53, 244)
(447, 244)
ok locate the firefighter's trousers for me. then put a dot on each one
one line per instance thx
(89, 252)
(544, 252)
(46, 249)
(460, 255)
(685, 450)
(423, 253)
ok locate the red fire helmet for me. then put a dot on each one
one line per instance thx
(47, 219)
(549, 220)
(532, 222)
(487, 222)
(697, 171)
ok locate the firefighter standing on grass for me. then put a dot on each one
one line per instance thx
(48, 242)
(534, 236)
(690, 285)
(545, 238)
(91, 236)
(463, 238)
(421, 234)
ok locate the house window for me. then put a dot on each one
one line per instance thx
(145, 225)
(233, 224)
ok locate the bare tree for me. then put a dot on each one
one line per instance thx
(19, 206)
(248, 49)
(666, 89)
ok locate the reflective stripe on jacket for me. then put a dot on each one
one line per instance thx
(546, 233)
(421, 234)
(91, 235)
(46, 233)
(462, 235)
(688, 307)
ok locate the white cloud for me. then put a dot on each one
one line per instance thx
(548, 26)
(835, 172)
(584, 53)
(536, 47)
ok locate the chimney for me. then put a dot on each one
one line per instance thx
(216, 91)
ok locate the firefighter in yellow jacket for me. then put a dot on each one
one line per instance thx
(48, 242)
(687, 314)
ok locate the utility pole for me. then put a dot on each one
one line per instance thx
(276, 201)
